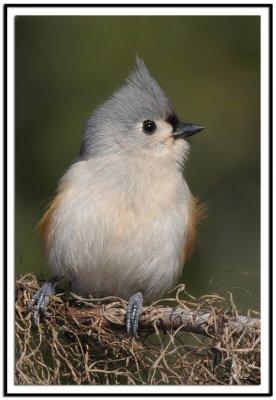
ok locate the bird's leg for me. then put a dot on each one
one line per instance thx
(41, 299)
(134, 310)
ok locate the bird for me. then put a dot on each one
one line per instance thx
(123, 220)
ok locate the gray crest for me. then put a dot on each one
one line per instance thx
(139, 100)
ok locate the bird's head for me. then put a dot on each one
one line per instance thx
(137, 119)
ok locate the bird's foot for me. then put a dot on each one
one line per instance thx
(134, 310)
(41, 299)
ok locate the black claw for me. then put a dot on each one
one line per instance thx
(41, 299)
(134, 310)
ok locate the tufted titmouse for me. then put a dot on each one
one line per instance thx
(123, 219)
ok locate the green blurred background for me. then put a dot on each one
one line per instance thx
(210, 69)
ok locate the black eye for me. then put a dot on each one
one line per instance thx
(149, 127)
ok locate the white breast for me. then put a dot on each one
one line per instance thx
(120, 227)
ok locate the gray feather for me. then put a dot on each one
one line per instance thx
(110, 125)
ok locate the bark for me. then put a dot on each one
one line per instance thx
(167, 319)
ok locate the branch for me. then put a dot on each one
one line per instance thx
(166, 319)
(85, 341)
(191, 317)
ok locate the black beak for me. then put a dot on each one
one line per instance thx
(185, 129)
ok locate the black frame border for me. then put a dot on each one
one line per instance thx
(269, 6)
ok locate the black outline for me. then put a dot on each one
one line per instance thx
(5, 177)
(270, 205)
(150, 5)
(270, 248)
